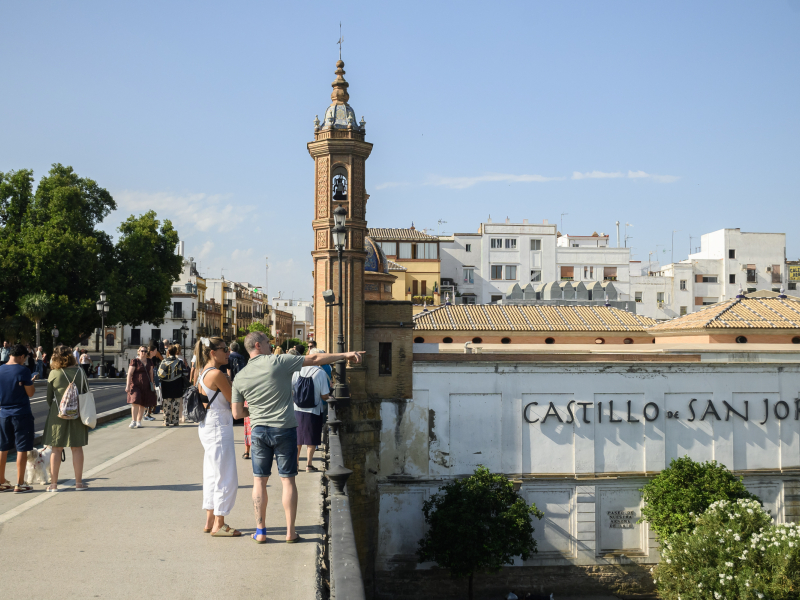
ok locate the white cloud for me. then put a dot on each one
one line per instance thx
(203, 212)
(205, 251)
(596, 175)
(239, 254)
(391, 184)
(460, 183)
(630, 175)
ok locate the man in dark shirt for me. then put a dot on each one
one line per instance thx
(236, 361)
(16, 418)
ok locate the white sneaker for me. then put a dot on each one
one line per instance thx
(132, 425)
(136, 424)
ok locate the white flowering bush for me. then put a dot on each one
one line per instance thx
(734, 552)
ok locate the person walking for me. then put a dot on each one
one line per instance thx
(40, 362)
(5, 353)
(77, 353)
(155, 356)
(65, 433)
(266, 386)
(140, 387)
(310, 420)
(86, 362)
(170, 374)
(16, 418)
(220, 479)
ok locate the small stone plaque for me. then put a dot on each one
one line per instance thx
(618, 511)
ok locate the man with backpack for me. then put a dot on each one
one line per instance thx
(236, 362)
(266, 385)
(310, 387)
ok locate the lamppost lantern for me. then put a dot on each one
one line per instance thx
(102, 296)
(339, 216)
(339, 236)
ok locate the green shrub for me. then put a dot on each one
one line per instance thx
(687, 488)
(428, 299)
(416, 299)
(293, 342)
(733, 552)
(478, 523)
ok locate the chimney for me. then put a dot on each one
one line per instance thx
(524, 221)
(507, 221)
(544, 222)
(180, 248)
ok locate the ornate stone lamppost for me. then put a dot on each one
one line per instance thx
(340, 390)
(102, 307)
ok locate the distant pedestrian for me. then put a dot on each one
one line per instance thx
(236, 361)
(77, 353)
(220, 479)
(30, 362)
(140, 387)
(312, 345)
(5, 353)
(170, 374)
(155, 356)
(266, 386)
(278, 351)
(16, 418)
(85, 362)
(310, 420)
(293, 351)
(65, 433)
(40, 362)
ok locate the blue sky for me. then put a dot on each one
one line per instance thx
(679, 115)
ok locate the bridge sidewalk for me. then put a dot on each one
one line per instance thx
(137, 532)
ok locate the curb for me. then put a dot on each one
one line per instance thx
(103, 417)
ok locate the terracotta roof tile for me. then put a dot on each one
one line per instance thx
(393, 266)
(497, 317)
(739, 313)
(381, 234)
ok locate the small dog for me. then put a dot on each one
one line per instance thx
(38, 468)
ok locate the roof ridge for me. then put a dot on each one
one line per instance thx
(449, 316)
(733, 302)
(788, 305)
(429, 312)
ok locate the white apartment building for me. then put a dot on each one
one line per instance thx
(302, 312)
(728, 260)
(486, 264)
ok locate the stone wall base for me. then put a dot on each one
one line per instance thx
(625, 581)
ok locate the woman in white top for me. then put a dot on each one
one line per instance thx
(220, 480)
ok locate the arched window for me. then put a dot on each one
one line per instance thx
(741, 339)
(505, 341)
(419, 340)
(447, 340)
(479, 340)
(109, 339)
(796, 340)
(628, 341)
(550, 341)
(600, 341)
(339, 185)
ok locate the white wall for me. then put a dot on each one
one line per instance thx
(580, 473)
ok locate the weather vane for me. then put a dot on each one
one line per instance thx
(341, 39)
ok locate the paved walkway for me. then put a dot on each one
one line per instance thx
(137, 532)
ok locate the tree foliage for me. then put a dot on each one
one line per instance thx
(50, 244)
(258, 326)
(687, 488)
(35, 307)
(478, 523)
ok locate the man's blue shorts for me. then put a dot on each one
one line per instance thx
(268, 443)
(17, 433)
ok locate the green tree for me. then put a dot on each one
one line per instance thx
(35, 308)
(256, 326)
(294, 342)
(685, 489)
(145, 267)
(478, 523)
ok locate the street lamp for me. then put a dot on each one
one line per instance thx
(340, 391)
(102, 308)
(184, 330)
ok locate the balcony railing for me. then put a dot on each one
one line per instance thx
(563, 278)
(609, 278)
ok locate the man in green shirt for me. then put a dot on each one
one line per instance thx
(266, 385)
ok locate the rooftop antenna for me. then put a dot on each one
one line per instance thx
(672, 250)
(341, 39)
(626, 233)
(562, 222)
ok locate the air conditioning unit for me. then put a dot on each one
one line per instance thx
(769, 269)
(744, 267)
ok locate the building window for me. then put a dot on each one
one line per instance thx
(424, 288)
(683, 310)
(638, 296)
(751, 274)
(177, 310)
(468, 247)
(709, 301)
(574, 245)
(405, 250)
(110, 339)
(776, 273)
(389, 248)
(731, 278)
(422, 250)
(415, 288)
(511, 272)
(511, 244)
(660, 297)
(384, 358)
(477, 340)
(176, 336)
(419, 340)
(741, 339)
(536, 275)
(497, 243)
(155, 335)
(469, 299)
(447, 340)
(497, 272)
(496, 298)
(567, 273)
(793, 285)
(469, 275)
(751, 290)
(609, 273)
(731, 253)
(627, 341)
(588, 273)
(683, 285)
(706, 279)
(550, 341)
(536, 244)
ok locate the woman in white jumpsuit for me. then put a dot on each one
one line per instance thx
(220, 480)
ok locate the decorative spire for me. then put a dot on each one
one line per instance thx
(782, 294)
(741, 292)
(339, 94)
